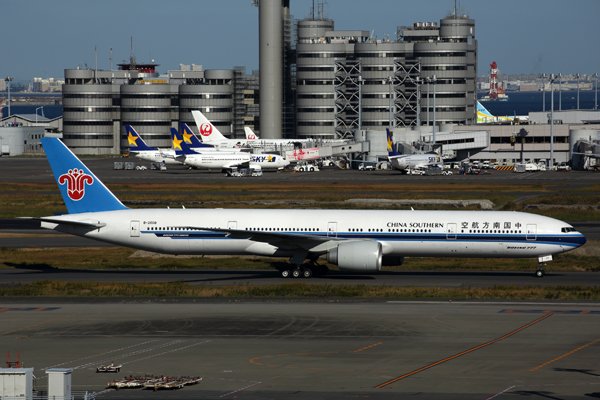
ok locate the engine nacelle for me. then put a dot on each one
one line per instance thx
(363, 256)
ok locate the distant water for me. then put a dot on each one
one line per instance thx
(521, 103)
(50, 112)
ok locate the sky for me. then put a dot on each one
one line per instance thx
(42, 38)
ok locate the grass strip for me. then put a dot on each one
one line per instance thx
(121, 258)
(296, 290)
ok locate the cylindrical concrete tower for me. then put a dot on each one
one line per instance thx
(271, 68)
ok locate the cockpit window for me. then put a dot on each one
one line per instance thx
(569, 229)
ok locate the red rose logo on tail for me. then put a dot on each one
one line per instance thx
(75, 180)
(206, 129)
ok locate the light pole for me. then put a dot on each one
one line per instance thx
(36, 114)
(559, 92)
(390, 81)
(596, 94)
(8, 79)
(428, 79)
(552, 79)
(418, 82)
(578, 76)
(434, 79)
(359, 103)
(544, 76)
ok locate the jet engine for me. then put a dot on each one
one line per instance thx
(363, 256)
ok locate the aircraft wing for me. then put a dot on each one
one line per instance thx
(281, 239)
(83, 224)
(232, 164)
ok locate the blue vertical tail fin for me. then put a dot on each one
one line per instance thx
(179, 144)
(136, 143)
(190, 138)
(390, 144)
(81, 190)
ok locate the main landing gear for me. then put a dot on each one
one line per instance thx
(304, 271)
(540, 271)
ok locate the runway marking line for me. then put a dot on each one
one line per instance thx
(28, 309)
(41, 323)
(253, 360)
(564, 355)
(462, 353)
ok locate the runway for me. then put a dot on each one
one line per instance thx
(315, 349)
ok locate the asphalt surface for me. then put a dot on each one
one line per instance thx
(314, 349)
(33, 169)
(305, 349)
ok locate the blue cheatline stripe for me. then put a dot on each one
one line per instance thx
(572, 241)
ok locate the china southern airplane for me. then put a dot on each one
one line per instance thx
(405, 162)
(354, 240)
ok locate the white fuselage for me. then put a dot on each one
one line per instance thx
(404, 162)
(401, 233)
(157, 156)
(268, 161)
(215, 160)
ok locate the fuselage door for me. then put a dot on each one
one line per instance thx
(232, 225)
(134, 229)
(531, 231)
(332, 229)
(451, 232)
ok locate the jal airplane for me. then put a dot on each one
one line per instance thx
(354, 240)
(250, 135)
(405, 162)
(210, 134)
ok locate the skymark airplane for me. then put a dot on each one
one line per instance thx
(355, 240)
(222, 159)
(139, 148)
(207, 160)
(405, 162)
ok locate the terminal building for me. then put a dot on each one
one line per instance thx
(98, 104)
(348, 80)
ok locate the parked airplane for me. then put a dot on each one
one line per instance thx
(211, 160)
(138, 148)
(250, 135)
(355, 240)
(268, 161)
(411, 161)
(207, 160)
(211, 135)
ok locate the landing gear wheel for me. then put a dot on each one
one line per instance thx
(307, 273)
(539, 273)
(296, 273)
(285, 273)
